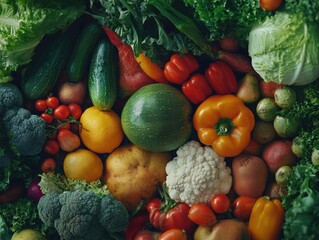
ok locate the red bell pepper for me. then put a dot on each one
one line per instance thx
(167, 214)
(196, 89)
(179, 67)
(221, 78)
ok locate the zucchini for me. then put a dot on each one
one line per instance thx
(49, 59)
(79, 60)
(103, 75)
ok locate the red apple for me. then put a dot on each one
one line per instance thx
(72, 92)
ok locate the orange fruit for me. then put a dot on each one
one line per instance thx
(100, 131)
(83, 164)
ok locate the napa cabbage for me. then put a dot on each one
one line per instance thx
(285, 49)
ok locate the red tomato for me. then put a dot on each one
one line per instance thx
(270, 5)
(68, 140)
(48, 165)
(51, 147)
(52, 102)
(40, 105)
(47, 118)
(202, 215)
(220, 203)
(242, 207)
(145, 235)
(173, 234)
(61, 112)
(75, 109)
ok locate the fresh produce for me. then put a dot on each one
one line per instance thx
(26, 234)
(202, 215)
(27, 131)
(264, 132)
(14, 191)
(267, 89)
(225, 123)
(266, 219)
(38, 79)
(78, 63)
(178, 68)
(196, 88)
(82, 214)
(166, 214)
(140, 170)
(4, 230)
(68, 141)
(227, 229)
(100, 131)
(270, 5)
(278, 153)
(146, 235)
(157, 118)
(248, 89)
(135, 228)
(282, 173)
(29, 24)
(220, 203)
(266, 109)
(48, 165)
(34, 190)
(285, 97)
(173, 234)
(221, 78)
(10, 97)
(72, 92)
(242, 207)
(249, 175)
(185, 184)
(103, 75)
(131, 75)
(286, 127)
(82, 164)
(283, 36)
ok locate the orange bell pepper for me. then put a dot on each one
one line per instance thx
(266, 219)
(225, 123)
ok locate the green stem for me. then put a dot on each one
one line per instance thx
(183, 23)
(224, 127)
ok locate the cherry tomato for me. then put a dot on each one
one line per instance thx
(202, 215)
(270, 5)
(61, 112)
(75, 109)
(242, 207)
(173, 234)
(52, 102)
(48, 165)
(51, 147)
(220, 203)
(47, 118)
(40, 105)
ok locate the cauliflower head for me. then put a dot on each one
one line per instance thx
(196, 174)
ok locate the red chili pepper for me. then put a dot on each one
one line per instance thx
(178, 68)
(136, 224)
(221, 78)
(196, 89)
(167, 214)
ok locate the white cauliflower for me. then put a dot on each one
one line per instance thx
(196, 174)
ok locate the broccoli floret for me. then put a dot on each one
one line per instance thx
(82, 215)
(26, 131)
(113, 216)
(10, 97)
(48, 215)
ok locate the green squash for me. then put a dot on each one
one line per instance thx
(157, 118)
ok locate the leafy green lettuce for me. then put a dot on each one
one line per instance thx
(23, 23)
(284, 49)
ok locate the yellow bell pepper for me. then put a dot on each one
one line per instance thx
(225, 123)
(266, 219)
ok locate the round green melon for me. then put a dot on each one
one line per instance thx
(157, 118)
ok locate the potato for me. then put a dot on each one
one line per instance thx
(227, 229)
(133, 174)
(249, 175)
(278, 153)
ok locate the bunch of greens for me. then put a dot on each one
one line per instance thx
(142, 26)
(225, 18)
(308, 8)
(24, 23)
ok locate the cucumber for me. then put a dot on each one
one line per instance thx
(78, 63)
(49, 59)
(103, 75)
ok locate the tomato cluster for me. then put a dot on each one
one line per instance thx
(62, 125)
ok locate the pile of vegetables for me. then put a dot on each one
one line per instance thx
(159, 119)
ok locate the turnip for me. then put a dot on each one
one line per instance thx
(286, 127)
(285, 97)
(282, 174)
(267, 109)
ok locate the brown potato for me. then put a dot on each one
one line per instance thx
(133, 174)
(249, 175)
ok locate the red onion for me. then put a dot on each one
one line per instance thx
(34, 190)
